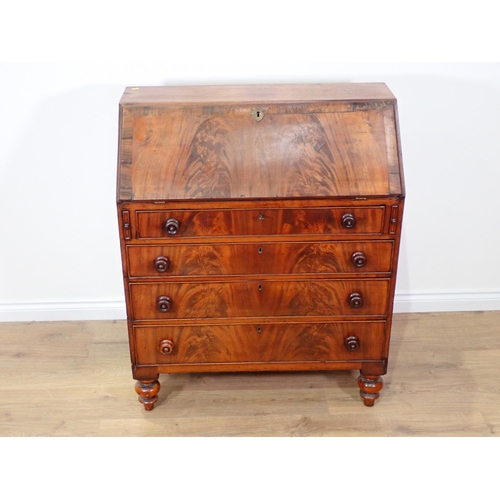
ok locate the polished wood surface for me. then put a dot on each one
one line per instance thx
(260, 258)
(259, 299)
(264, 221)
(272, 211)
(284, 155)
(260, 343)
(73, 379)
(199, 143)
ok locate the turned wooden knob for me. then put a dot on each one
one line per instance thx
(163, 303)
(348, 221)
(355, 300)
(172, 226)
(358, 259)
(162, 264)
(352, 343)
(166, 346)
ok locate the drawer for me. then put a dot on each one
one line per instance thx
(259, 298)
(213, 223)
(264, 258)
(260, 343)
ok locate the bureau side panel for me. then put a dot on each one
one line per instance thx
(124, 228)
(396, 224)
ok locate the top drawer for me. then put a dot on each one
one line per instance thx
(214, 223)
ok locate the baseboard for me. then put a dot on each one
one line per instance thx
(114, 309)
(63, 310)
(447, 301)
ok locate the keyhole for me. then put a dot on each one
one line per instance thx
(261, 217)
(260, 288)
(260, 250)
(257, 114)
(259, 329)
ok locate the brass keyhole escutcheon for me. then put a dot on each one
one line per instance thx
(257, 114)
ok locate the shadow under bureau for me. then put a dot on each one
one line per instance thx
(260, 229)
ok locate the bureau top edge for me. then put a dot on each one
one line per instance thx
(271, 202)
(256, 93)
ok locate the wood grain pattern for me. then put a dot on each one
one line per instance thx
(194, 156)
(264, 229)
(124, 174)
(259, 258)
(259, 343)
(216, 223)
(202, 142)
(263, 299)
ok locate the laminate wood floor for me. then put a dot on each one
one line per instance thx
(74, 379)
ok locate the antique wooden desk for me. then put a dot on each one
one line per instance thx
(260, 229)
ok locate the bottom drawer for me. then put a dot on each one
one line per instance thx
(343, 341)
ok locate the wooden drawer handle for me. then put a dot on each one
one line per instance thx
(348, 221)
(358, 259)
(163, 303)
(352, 343)
(172, 226)
(162, 264)
(355, 300)
(166, 347)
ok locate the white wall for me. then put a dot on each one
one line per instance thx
(59, 252)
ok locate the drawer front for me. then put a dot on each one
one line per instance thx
(213, 223)
(265, 258)
(260, 343)
(254, 298)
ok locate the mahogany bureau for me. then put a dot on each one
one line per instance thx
(260, 229)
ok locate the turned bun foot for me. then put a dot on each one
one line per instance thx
(370, 387)
(147, 390)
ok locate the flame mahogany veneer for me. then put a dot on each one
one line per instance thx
(260, 229)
